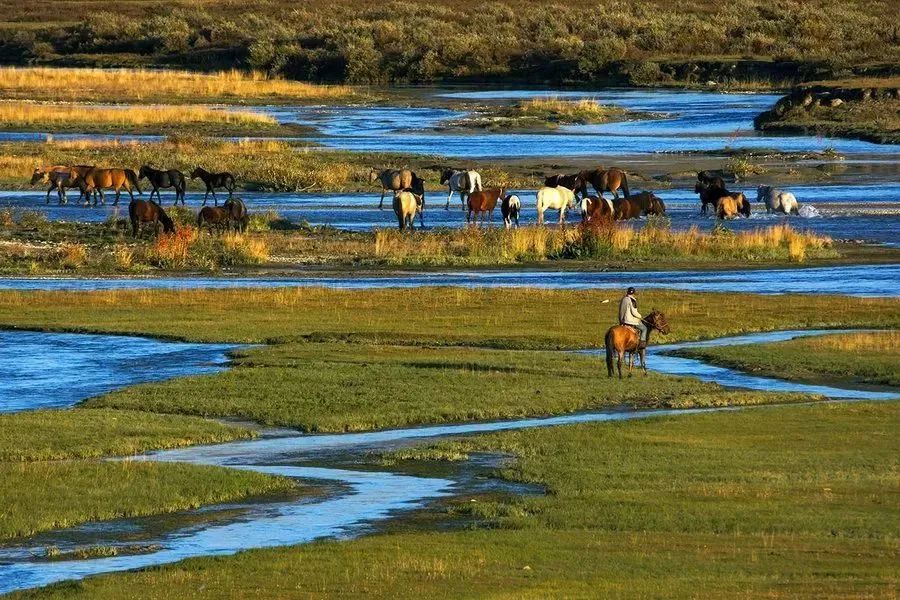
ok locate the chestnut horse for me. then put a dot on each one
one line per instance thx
(645, 203)
(622, 338)
(594, 208)
(483, 202)
(605, 180)
(728, 207)
(148, 211)
(96, 180)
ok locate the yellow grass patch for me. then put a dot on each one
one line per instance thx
(874, 341)
(24, 114)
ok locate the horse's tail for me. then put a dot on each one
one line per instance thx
(625, 184)
(609, 353)
(131, 176)
(476, 183)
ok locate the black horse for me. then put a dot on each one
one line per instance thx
(712, 187)
(213, 181)
(164, 179)
(575, 182)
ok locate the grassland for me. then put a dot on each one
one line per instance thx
(765, 503)
(170, 86)
(150, 120)
(853, 358)
(542, 113)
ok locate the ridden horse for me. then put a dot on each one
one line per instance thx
(777, 200)
(148, 211)
(510, 208)
(464, 182)
(170, 178)
(483, 202)
(406, 205)
(593, 207)
(554, 198)
(213, 181)
(575, 182)
(392, 179)
(96, 180)
(604, 180)
(645, 203)
(624, 338)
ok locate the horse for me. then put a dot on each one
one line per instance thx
(728, 207)
(510, 209)
(237, 213)
(604, 180)
(213, 181)
(777, 200)
(483, 202)
(170, 178)
(406, 205)
(395, 180)
(593, 207)
(218, 217)
(554, 198)
(623, 338)
(148, 211)
(710, 188)
(575, 182)
(59, 177)
(464, 182)
(645, 203)
(96, 180)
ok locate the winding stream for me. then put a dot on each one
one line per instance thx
(364, 497)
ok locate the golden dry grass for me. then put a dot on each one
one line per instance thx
(872, 341)
(143, 85)
(29, 114)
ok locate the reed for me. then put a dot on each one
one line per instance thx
(556, 109)
(146, 85)
(28, 114)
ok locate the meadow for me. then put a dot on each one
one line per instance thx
(762, 503)
(542, 113)
(848, 358)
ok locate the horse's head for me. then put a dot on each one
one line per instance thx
(699, 187)
(373, 175)
(656, 206)
(446, 174)
(762, 192)
(657, 321)
(143, 172)
(196, 172)
(39, 175)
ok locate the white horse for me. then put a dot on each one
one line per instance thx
(464, 182)
(777, 200)
(511, 207)
(554, 198)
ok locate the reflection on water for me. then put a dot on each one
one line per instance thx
(56, 370)
(856, 280)
(368, 497)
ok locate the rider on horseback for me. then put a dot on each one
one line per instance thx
(629, 315)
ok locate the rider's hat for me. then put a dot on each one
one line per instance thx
(630, 291)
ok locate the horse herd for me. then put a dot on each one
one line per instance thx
(561, 193)
(91, 181)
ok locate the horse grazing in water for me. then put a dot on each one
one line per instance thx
(575, 182)
(510, 208)
(170, 178)
(554, 198)
(607, 180)
(96, 180)
(483, 202)
(645, 203)
(395, 180)
(406, 205)
(148, 211)
(213, 181)
(622, 338)
(464, 182)
(777, 200)
(594, 208)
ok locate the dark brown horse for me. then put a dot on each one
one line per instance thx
(238, 214)
(215, 217)
(170, 178)
(645, 203)
(483, 202)
(607, 180)
(622, 338)
(710, 188)
(213, 181)
(575, 182)
(148, 211)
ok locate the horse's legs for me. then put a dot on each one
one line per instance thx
(118, 192)
(381, 202)
(643, 356)
(102, 197)
(215, 199)
(450, 195)
(205, 196)
(620, 355)
(52, 187)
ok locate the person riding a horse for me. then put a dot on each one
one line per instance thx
(629, 315)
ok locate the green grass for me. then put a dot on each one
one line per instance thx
(351, 387)
(37, 496)
(776, 503)
(870, 358)
(875, 120)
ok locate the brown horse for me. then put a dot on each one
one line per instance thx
(609, 180)
(645, 203)
(60, 178)
(483, 202)
(148, 211)
(594, 208)
(215, 217)
(728, 207)
(96, 180)
(238, 213)
(394, 180)
(622, 338)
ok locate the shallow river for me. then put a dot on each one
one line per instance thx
(363, 498)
